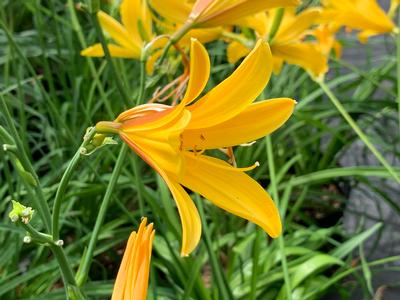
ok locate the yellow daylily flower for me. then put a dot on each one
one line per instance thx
(171, 139)
(213, 13)
(364, 15)
(133, 274)
(325, 35)
(130, 36)
(288, 44)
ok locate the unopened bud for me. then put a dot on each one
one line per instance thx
(83, 151)
(27, 212)
(59, 243)
(27, 239)
(20, 212)
(14, 218)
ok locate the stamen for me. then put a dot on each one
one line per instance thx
(248, 144)
(231, 168)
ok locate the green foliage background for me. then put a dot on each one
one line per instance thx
(54, 94)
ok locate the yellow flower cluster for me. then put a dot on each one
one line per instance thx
(172, 139)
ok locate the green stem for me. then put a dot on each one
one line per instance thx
(64, 183)
(141, 94)
(357, 129)
(174, 39)
(84, 267)
(223, 290)
(140, 100)
(363, 74)
(78, 30)
(65, 267)
(398, 66)
(107, 54)
(276, 23)
(256, 255)
(39, 200)
(275, 196)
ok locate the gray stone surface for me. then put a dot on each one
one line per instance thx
(365, 207)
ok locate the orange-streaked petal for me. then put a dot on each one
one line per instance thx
(133, 275)
(160, 144)
(258, 120)
(236, 51)
(305, 55)
(235, 93)
(199, 71)
(229, 14)
(96, 50)
(232, 190)
(199, 7)
(117, 32)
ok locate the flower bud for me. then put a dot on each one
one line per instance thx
(27, 239)
(20, 212)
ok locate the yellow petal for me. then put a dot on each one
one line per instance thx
(229, 14)
(117, 32)
(190, 219)
(96, 50)
(337, 47)
(364, 35)
(277, 64)
(258, 120)
(133, 274)
(132, 12)
(151, 61)
(305, 55)
(176, 11)
(236, 51)
(199, 71)
(359, 14)
(295, 29)
(231, 190)
(259, 22)
(204, 35)
(157, 153)
(236, 92)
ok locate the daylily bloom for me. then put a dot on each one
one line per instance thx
(326, 39)
(172, 139)
(364, 15)
(130, 36)
(288, 44)
(133, 274)
(211, 13)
